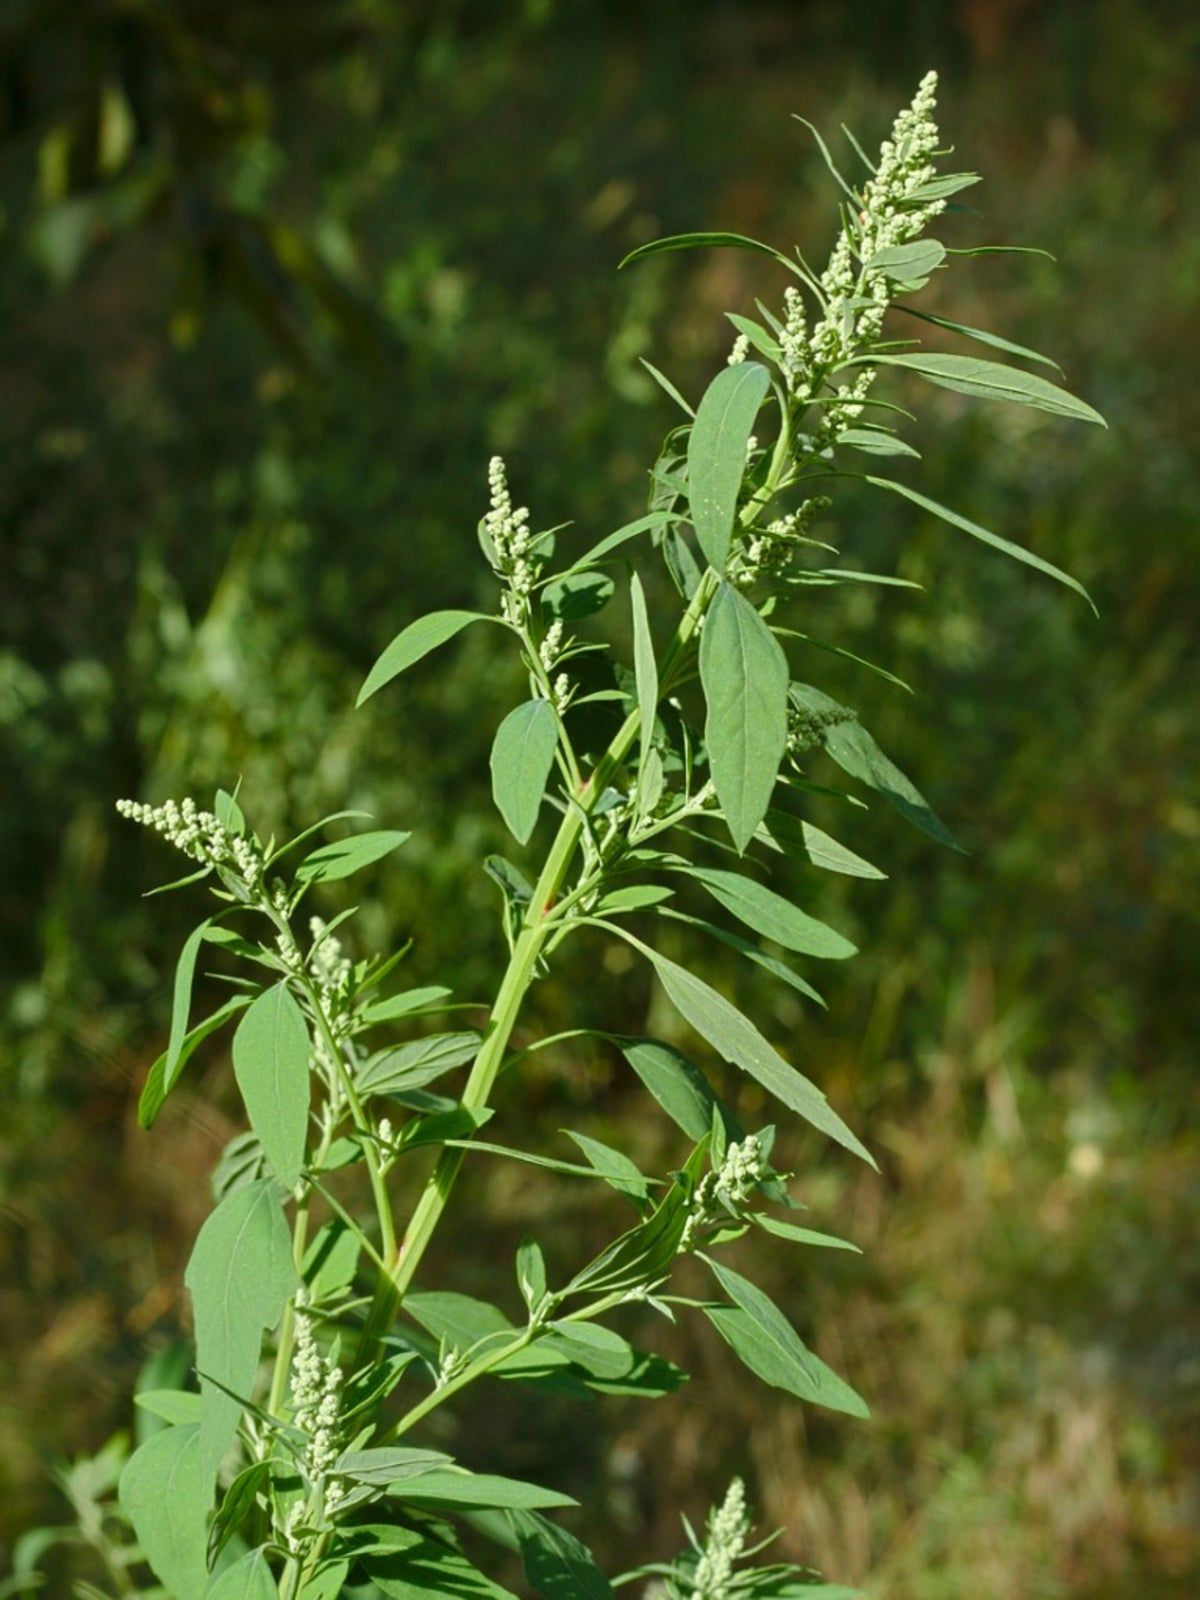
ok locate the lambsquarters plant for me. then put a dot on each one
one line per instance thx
(300, 1464)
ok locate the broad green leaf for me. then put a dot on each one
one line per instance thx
(993, 380)
(680, 1088)
(181, 1003)
(403, 1005)
(708, 241)
(982, 336)
(415, 641)
(240, 1276)
(771, 915)
(348, 855)
(156, 1088)
(645, 668)
(789, 1230)
(164, 1491)
(745, 677)
(577, 595)
(426, 1568)
(387, 1464)
(228, 813)
(270, 1062)
(735, 1038)
(758, 1332)
(824, 851)
(598, 1350)
(248, 1579)
(454, 1487)
(179, 1407)
(419, 1062)
(327, 1582)
(522, 758)
(556, 1564)
(717, 454)
(997, 543)
(456, 1318)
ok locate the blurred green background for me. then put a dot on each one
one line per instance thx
(275, 283)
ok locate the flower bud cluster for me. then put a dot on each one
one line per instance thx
(507, 529)
(316, 1399)
(844, 410)
(724, 1193)
(806, 727)
(739, 351)
(769, 551)
(331, 969)
(724, 1544)
(200, 836)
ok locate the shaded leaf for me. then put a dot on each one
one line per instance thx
(415, 641)
(270, 1062)
(556, 1563)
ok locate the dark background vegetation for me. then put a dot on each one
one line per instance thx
(276, 280)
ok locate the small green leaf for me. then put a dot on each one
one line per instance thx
(717, 454)
(908, 263)
(771, 915)
(874, 442)
(164, 1491)
(997, 543)
(556, 1564)
(403, 1005)
(521, 762)
(339, 860)
(789, 1230)
(824, 851)
(617, 1170)
(758, 1332)
(982, 336)
(248, 1579)
(181, 1002)
(156, 1089)
(179, 1407)
(415, 641)
(240, 1276)
(757, 336)
(745, 678)
(531, 1273)
(777, 969)
(270, 1062)
(653, 520)
(993, 380)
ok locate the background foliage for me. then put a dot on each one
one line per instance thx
(270, 297)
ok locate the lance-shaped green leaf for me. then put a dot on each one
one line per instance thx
(386, 1464)
(825, 851)
(403, 1005)
(645, 670)
(181, 1003)
(982, 336)
(270, 1062)
(744, 947)
(614, 1166)
(522, 756)
(415, 641)
(745, 677)
(339, 860)
(164, 1491)
(798, 1235)
(1005, 546)
(734, 1037)
(420, 1061)
(240, 1276)
(237, 1504)
(248, 1579)
(477, 1490)
(708, 241)
(993, 380)
(717, 454)
(156, 1088)
(643, 1256)
(576, 595)
(556, 1563)
(771, 915)
(759, 1333)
